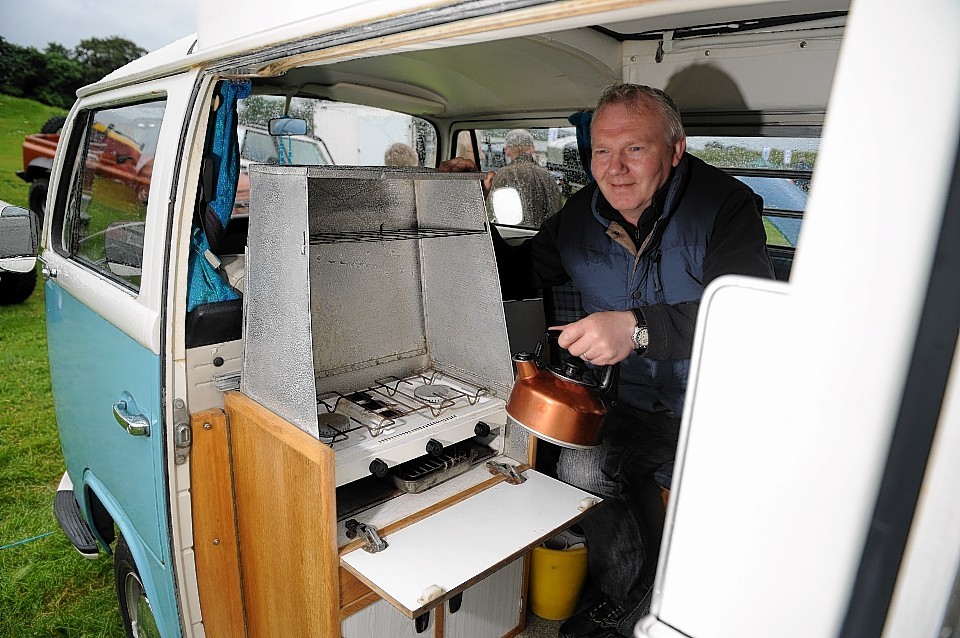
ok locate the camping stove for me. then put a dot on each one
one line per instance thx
(399, 419)
(373, 318)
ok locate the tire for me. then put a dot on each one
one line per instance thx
(16, 287)
(38, 197)
(138, 618)
(53, 125)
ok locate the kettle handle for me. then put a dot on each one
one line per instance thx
(609, 375)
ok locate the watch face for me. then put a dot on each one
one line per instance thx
(640, 337)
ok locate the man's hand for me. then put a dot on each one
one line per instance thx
(457, 165)
(603, 338)
(464, 165)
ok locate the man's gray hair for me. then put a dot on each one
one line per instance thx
(636, 96)
(518, 138)
(400, 154)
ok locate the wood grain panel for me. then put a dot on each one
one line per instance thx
(214, 531)
(286, 513)
(351, 588)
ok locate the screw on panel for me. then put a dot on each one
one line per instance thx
(803, 44)
(207, 426)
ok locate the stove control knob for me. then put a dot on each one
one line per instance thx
(434, 447)
(378, 468)
(482, 430)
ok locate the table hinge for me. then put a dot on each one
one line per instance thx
(507, 470)
(371, 539)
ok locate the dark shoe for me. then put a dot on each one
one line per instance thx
(599, 621)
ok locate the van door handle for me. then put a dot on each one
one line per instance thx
(135, 424)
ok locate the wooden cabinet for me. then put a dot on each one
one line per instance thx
(458, 549)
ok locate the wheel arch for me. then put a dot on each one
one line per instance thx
(101, 508)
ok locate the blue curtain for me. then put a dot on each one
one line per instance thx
(581, 120)
(205, 283)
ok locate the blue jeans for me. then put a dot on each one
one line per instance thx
(625, 526)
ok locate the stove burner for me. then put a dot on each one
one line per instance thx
(331, 424)
(434, 393)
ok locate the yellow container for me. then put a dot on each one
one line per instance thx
(556, 578)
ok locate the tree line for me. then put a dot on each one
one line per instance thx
(52, 76)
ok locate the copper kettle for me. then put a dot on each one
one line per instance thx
(557, 403)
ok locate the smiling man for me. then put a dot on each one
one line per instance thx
(641, 243)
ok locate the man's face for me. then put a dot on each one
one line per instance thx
(631, 156)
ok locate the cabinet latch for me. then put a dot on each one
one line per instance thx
(371, 539)
(507, 470)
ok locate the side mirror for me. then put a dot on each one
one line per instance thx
(19, 238)
(506, 205)
(123, 248)
(287, 126)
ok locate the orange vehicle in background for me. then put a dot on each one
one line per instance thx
(116, 156)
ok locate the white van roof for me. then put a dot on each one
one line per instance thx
(221, 22)
(230, 28)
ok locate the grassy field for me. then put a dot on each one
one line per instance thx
(46, 589)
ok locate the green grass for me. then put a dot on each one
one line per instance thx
(18, 117)
(46, 589)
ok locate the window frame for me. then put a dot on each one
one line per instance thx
(65, 213)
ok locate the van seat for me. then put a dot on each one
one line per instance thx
(214, 322)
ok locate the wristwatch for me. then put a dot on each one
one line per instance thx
(641, 337)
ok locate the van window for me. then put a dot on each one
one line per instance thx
(778, 169)
(554, 151)
(337, 133)
(107, 207)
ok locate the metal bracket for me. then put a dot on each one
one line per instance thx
(371, 539)
(666, 46)
(182, 434)
(505, 469)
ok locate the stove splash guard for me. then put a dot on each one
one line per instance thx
(355, 275)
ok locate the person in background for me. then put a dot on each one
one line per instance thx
(540, 195)
(400, 154)
(641, 244)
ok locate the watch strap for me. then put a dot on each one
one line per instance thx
(640, 335)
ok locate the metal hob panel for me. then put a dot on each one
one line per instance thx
(365, 305)
(354, 274)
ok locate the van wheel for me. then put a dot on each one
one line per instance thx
(38, 197)
(138, 620)
(15, 287)
(54, 124)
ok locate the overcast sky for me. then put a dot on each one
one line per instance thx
(149, 24)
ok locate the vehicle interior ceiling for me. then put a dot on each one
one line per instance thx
(541, 75)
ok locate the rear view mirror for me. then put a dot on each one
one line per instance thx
(287, 126)
(19, 238)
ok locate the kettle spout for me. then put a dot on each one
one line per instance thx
(526, 366)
